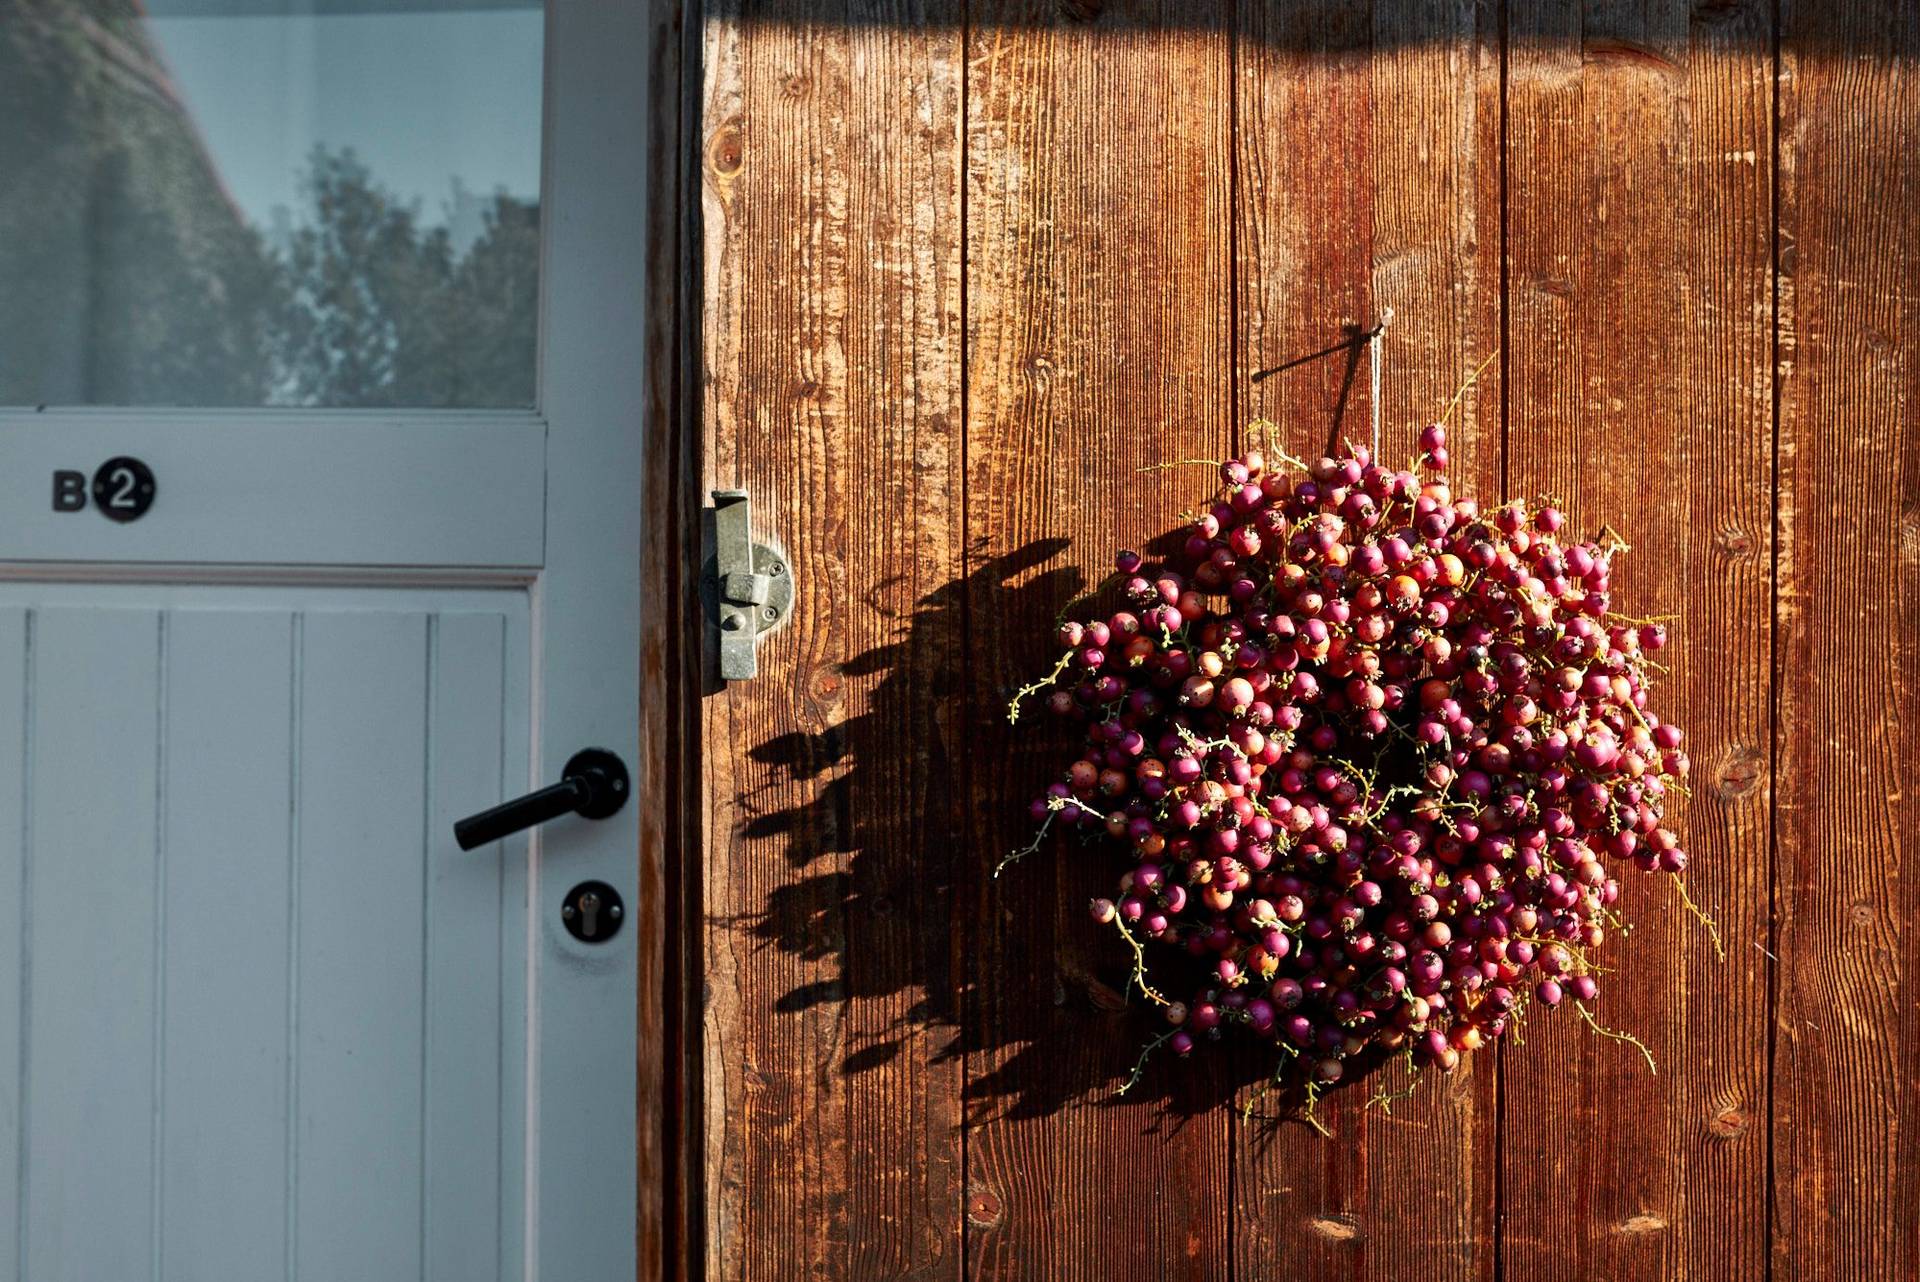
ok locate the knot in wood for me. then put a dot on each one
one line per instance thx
(984, 1209)
(1336, 1228)
(727, 150)
(1739, 773)
(1729, 1123)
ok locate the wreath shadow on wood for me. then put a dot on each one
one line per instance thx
(1006, 988)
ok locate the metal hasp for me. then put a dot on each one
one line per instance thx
(748, 587)
(594, 785)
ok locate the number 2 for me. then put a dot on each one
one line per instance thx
(126, 480)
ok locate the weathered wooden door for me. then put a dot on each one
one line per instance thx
(963, 271)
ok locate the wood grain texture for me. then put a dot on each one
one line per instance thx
(1098, 343)
(1367, 159)
(1127, 208)
(1846, 1063)
(1640, 240)
(830, 189)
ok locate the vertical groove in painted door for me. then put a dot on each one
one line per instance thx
(90, 1004)
(226, 792)
(290, 1114)
(14, 633)
(361, 954)
(464, 1046)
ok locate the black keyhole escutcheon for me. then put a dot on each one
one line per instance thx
(593, 912)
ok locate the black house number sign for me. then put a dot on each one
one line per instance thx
(122, 489)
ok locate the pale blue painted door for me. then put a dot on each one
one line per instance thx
(260, 1017)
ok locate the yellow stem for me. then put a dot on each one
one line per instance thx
(1713, 931)
(1616, 1035)
(1472, 378)
(1180, 462)
(1013, 707)
(1139, 962)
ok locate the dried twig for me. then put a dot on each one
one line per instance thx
(1616, 1035)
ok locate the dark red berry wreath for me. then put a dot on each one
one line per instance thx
(1363, 762)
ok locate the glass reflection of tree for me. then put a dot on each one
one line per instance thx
(129, 277)
(379, 311)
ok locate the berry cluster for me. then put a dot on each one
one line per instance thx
(1370, 758)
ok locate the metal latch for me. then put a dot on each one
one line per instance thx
(748, 587)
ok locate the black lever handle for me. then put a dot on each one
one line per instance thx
(594, 785)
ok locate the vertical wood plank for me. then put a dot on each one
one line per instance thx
(1367, 148)
(1641, 396)
(1846, 1055)
(360, 944)
(830, 197)
(466, 1045)
(92, 989)
(14, 696)
(227, 788)
(1098, 343)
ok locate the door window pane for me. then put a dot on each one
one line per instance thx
(269, 202)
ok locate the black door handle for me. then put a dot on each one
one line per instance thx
(594, 784)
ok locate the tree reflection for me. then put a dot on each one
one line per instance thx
(128, 276)
(378, 310)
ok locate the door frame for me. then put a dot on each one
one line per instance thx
(670, 1139)
(674, 659)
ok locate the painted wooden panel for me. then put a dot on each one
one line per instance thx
(260, 1016)
(466, 980)
(227, 834)
(91, 1009)
(301, 485)
(359, 945)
